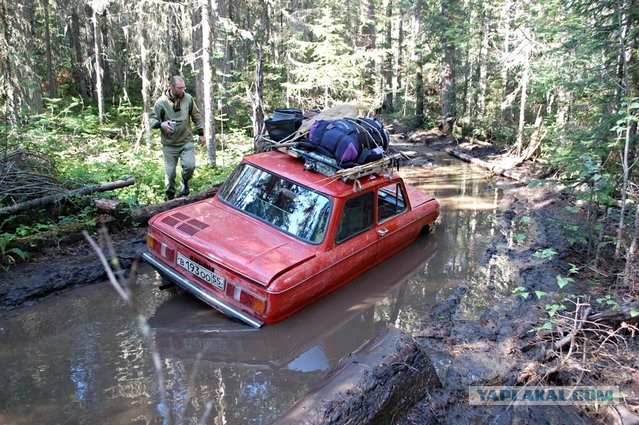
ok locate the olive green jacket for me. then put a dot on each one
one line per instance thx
(181, 111)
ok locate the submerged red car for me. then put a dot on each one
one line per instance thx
(277, 237)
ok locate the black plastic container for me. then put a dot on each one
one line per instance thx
(284, 123)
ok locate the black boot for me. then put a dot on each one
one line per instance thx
(185, 189)
(170, 195)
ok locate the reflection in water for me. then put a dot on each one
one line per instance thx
(80, 358)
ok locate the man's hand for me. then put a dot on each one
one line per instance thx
(166, 127)
(202, 140)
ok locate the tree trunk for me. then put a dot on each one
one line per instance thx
(522, 106)
(508, 22)
(387, 102)
(257, 98)
(204, 75)
(447, 47)
(419, 99)
(448, 89)
(97, 67)
(483, 64)
(142, 215)
(367, 43)
(632, 257)
(51, 83)
(628, 86)
(175, 42)
(106, 82)
(535, 138)
(47, 200)
(20, 83)
(399, 75)
(224, 61)
(419, 60)
(144, 76)
(77, 58)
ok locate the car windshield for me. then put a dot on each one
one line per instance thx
(281, 203)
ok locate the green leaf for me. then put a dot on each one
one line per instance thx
(520, 290)
(573, 269)
(609, 301)
(540, 294)
(544, 254)
(563, 281)
(547, 326)
(634, 312)
(553, 309)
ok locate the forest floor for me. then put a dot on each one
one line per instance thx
(490, 330)
(485, 332)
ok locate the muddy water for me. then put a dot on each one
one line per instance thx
(80, 358)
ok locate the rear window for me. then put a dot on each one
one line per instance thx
(279, 202)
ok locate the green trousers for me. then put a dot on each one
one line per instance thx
(186, 155)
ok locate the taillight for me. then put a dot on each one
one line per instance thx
(248, 299)
(160, 248)
(151, 242)
(256, 303)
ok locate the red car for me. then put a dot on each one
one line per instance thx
(277, 237)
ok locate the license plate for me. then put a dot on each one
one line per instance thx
(201, 272)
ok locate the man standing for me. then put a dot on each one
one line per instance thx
(172, 114)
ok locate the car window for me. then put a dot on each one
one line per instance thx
(282, 203)
(356, 217)
(390, 201)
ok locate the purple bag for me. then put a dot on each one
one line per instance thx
(338, 139)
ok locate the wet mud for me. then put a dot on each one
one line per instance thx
(478, 335)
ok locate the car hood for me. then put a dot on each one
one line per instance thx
(234, 240)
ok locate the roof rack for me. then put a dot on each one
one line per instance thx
(328, 166)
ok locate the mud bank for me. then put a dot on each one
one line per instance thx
(67, 268)
(486, 332)
(372, 386)
(68, 261)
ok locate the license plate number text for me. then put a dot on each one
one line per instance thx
(202, 272)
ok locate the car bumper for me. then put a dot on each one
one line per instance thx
(200, 293)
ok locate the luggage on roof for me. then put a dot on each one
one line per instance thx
(283, 124)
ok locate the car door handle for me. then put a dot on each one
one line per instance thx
(382, 232)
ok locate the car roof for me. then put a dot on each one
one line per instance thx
(293, 169)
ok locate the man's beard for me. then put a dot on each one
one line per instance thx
(175, 100)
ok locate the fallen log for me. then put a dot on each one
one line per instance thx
(46, 200)
(502, 169)
(142, 215)
(71, 232)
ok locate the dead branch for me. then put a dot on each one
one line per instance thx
(625, 313)
(41, 202)
(577, 325)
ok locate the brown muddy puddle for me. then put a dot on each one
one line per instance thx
(80, 358)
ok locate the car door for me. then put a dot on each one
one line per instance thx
(355, 246)
(393, 219)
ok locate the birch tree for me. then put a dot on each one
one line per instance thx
(97, 63)
(141, 30)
